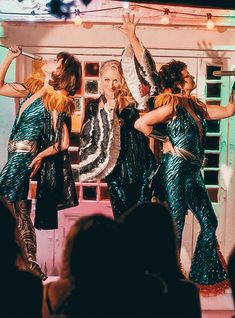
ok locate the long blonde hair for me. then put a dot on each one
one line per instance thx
(124, 98)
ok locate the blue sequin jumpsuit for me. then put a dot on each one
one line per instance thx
(14, 177)
(185, 189)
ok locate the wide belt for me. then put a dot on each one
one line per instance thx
(185, 154)
(22, 146)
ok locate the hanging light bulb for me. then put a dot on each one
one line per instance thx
(210, 24)
(78, 20)
(165, 19)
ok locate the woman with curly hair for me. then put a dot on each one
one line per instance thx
(38, 145)
(111, 147)
(182, 120)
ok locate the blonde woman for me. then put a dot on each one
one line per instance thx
(111, 147)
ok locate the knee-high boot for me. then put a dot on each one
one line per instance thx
(27, 236)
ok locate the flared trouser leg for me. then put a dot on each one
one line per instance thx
(208, 268)
(26, 235)
(185, 189)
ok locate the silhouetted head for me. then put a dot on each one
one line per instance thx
(150, 235)
(91, 249)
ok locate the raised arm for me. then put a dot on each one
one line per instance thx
(50, 151)
(159, 115)
(128, 28)
(138, 65)
(14, 89)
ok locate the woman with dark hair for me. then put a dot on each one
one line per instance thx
(111, 147)
(179, 120)
(69, 77)
(182, 120)
(39, 141)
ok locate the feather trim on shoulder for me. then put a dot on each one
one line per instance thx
(52, 99)
(57, 100)
(33, 84)
(167, 99)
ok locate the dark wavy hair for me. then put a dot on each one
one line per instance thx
(70, 76)
(170, 75)
(91, 239)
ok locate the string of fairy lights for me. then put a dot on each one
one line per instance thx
(63, 9)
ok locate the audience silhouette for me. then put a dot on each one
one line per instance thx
(128, 268)
(162, 291)
(93, 272)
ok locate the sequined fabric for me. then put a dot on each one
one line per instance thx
(55, 184)
(185, 189)
(130, 181)
(14, 177)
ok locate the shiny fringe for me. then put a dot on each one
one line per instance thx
(218, 288)
(112, 152)
(150, 73)
(213, 290)
(131, 76)
(53, 100)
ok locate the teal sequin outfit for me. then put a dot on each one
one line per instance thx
(14, 177)
(185, 189)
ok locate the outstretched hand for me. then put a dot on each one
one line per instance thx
(129, 25)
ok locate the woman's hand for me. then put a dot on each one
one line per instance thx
(129, 25)
(14, 51)
(35, 165)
